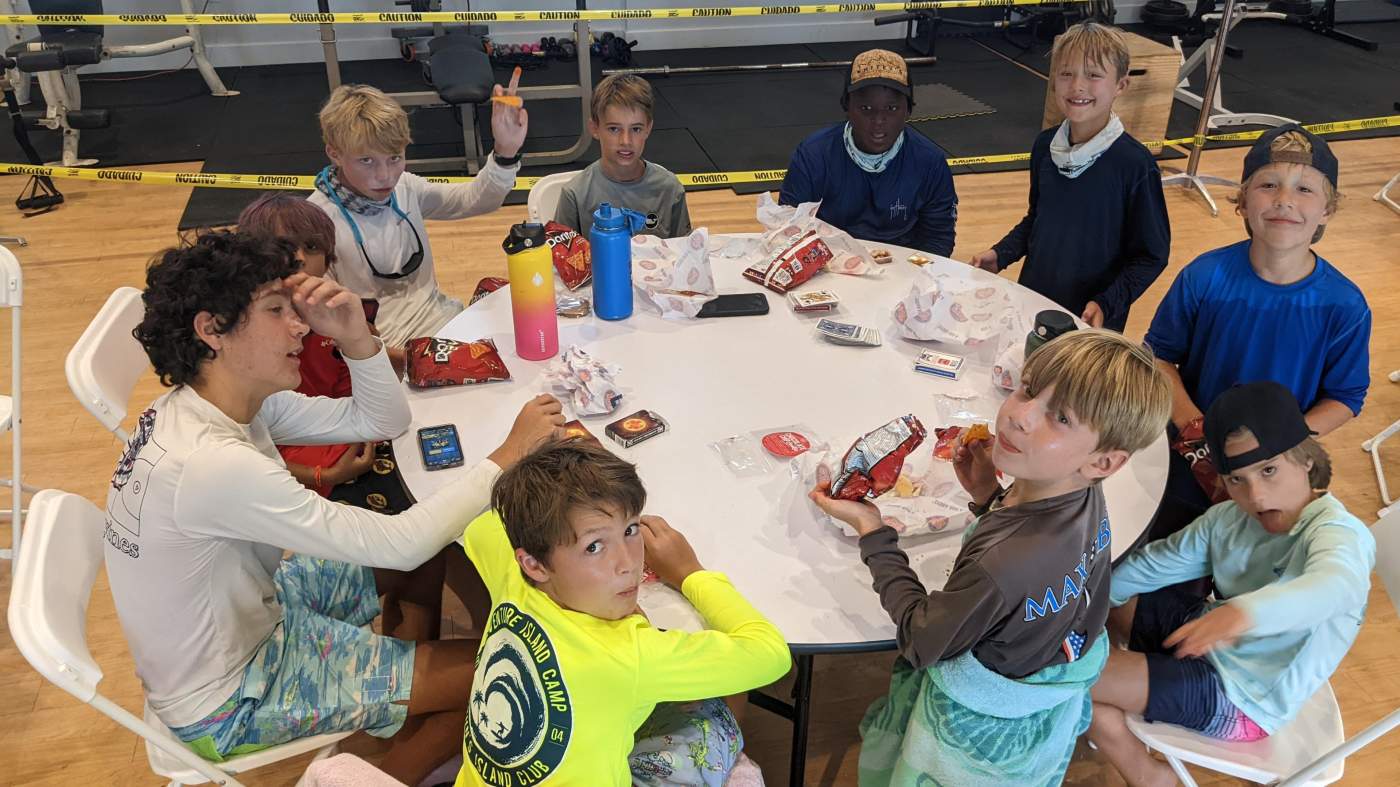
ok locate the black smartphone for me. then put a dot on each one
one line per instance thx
(736, 305)
(440, 447)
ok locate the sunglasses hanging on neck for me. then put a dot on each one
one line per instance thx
(414, 261)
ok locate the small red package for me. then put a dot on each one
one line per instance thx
(488, 285)
(871, 467)
(573, 260)
(793, 266)
(434, 362)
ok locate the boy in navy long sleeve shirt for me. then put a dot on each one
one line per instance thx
(1096, 234)
(874, 178)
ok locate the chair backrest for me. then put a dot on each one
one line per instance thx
(544, 195)
(103, 367)
(1387, 535)
(11, 280)
(52, 585)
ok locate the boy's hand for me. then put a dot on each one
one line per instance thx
(668, 553)
(862, 515)
(1191, 445)
(1220, 626)
(539, 420)
(352, 464)
(1093, 314)
(986, 260)
(334, 312)
(508, 124)
(973, 465)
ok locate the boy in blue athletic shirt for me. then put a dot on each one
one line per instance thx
(1266, 308)
(1096, 235)
(876, 179)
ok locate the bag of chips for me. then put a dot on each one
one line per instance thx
(793, 265)
(871, 467)
(435, 362)
(573, 261)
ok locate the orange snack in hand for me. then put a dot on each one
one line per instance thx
(509, 100)
(976, 433)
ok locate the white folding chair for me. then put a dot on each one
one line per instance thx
(1383, 196)
(103, 367)
(544, 195)
(1373, 447)
(48, 620)
(1311, 749)
(12, 297)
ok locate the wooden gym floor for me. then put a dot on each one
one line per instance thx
(102, 237)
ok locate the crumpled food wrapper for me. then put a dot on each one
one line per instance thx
(674, 274)
(785, 223)
(585, 382)
(926, 500)
(1006, 370)
(945, 308)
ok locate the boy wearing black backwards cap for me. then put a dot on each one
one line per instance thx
(1266, 308)
(1292, 572)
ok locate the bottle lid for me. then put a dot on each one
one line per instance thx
(1053, 322)
(524, 236)
(607, 217)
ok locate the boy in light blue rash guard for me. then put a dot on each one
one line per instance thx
(1292, 571)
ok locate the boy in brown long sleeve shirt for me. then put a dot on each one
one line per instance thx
(1028, 595)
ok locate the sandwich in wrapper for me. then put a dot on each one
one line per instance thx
(872, 466)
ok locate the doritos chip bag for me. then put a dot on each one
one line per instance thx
(573, 261)
(434, 362)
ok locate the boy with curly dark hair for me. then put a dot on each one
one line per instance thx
(237, 649)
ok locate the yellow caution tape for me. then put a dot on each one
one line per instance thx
(308, 182)
(450, 17)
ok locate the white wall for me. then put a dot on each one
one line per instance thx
(265, 44)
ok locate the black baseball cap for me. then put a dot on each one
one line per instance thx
(879, 67)
(1262, 154)
(1268, 410)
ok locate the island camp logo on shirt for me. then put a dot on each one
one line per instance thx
(129, 486)
(520, 718)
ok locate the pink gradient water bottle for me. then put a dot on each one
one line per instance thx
(531, 271)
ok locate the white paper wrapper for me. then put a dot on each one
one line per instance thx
(674, 274)
(945, 308)
(784, 223)
(927, 500)
(1006, 371)
(584, 382)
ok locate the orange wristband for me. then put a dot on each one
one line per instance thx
(316, 477)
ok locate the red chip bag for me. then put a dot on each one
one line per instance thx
(572, 259)
(871, 467)
(488, 285)
(434, 362)
(793, 266)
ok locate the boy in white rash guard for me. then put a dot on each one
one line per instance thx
(236, 648)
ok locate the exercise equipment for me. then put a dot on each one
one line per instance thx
(1191, 177)
(39, 195)
(1218, 116)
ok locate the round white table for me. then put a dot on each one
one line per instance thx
(714, 378)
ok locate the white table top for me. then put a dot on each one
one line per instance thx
(719, 377)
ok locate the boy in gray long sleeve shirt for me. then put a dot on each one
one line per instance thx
(621, 122)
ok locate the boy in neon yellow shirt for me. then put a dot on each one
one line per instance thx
(569, 668)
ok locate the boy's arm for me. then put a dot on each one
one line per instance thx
(377, 410)
(799, 184)
(1182, 556)
(1327, 415)
(1170, 336)
(680, 214)
(1184, 409)
(1345, 377)
(1336, 578)
(934, 626)
(483, 194)
(566, 212)
(936, 229)
(1018, 241)
(1147, 246)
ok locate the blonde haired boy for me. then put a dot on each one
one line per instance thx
(379, 210)
(622, 116)
(1266, 308)
(1096, 234)
(1009, 647)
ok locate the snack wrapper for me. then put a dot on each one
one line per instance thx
(1006, 370)
(785, 223)
(573, 260)
(585, 382)
(793, 265)
(871, 466)
(674, 274)
(488, 285)
(925, 501)
(434, 362)
(945, 308)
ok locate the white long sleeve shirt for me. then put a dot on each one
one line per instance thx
(201, 508)
(412, 306)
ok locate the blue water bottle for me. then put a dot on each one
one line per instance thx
(611, 245)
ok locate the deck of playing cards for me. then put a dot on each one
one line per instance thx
(632, 429)
(848, 334)
(939, 364)
(575, 430)
(813, 301)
